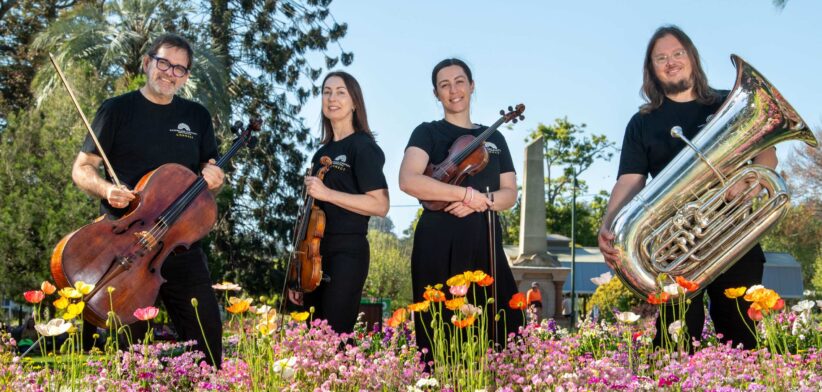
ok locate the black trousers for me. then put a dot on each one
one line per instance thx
(187, 277)
(444, 246)
(345, 260)
(723, 310)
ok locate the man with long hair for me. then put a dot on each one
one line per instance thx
(677, 93)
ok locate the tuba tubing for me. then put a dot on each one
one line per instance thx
(680, 224)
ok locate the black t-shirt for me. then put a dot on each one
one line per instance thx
(138, 136)
(435, 138)
(356, 169)
(648, 145)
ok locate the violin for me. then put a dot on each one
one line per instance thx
(172, 209)
(467, 156)
(305, 263)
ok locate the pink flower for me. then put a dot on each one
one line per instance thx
(458, 291)
(146, 313)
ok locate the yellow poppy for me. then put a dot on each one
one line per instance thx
(457, 280)
(455, 303)
(83, 287)
(474, 276)
(69, 292)
(733, 293)
(299, 316)
(61, 303)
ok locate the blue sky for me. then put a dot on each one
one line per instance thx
(580, 59)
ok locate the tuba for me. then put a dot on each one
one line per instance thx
(680, 224)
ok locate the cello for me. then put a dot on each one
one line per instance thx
(171, 210)
(467, 156)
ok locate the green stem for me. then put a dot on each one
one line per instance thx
(202, 331)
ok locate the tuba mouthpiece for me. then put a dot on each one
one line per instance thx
(676, 132)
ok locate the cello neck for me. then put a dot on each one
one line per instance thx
(172, 213)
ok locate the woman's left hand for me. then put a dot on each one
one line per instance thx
(316, 189)
(459, 209)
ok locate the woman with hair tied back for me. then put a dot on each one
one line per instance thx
(455, 239)
(353, 190)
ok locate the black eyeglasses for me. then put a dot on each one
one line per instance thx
(176, 70)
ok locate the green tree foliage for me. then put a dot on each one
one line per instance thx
(389, 275)
(568, 150)
(816, 282)
(799, 233)
(113, 38)
(39, 203)
(251, 59)
(20, 21)
(269, 50)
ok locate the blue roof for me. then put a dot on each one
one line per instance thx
(782, 274)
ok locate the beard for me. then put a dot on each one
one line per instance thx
(676, 87)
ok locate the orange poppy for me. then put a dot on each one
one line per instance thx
(464, 322)
(686, 284)
(486, 281)
(518, 302)
(47, 287)
(399, 317)
(434, 295)
(659, 298)
(419, 306)
(754, 313)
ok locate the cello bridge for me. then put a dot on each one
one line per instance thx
(146, 239)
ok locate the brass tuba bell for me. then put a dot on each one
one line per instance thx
(680, 224)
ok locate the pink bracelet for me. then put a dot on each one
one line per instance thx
(472, 195)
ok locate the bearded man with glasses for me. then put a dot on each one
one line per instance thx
(677, 93)
(140, 131)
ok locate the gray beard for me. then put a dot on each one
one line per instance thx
(677, 87)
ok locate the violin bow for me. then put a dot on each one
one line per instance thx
(85, 121)
(492, 258)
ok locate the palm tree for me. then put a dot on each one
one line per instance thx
(112, 40)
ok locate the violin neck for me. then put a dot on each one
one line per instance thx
(478, 141)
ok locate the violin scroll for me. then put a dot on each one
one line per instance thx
(514, 114)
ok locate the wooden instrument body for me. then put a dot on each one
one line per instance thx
(451, 172)
(133, 244)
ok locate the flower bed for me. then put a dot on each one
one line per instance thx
(265, 351)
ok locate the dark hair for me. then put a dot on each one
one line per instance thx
(447, 63)
(652, 90)
(171, 40)
(360, 120)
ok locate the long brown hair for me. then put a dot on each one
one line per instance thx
(652, 90)
(360, 120)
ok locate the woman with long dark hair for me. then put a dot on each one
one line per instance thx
(455, 239)
(353, 190)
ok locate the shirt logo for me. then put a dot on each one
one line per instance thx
(184, 131)
(340, 163)
(492, 148)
